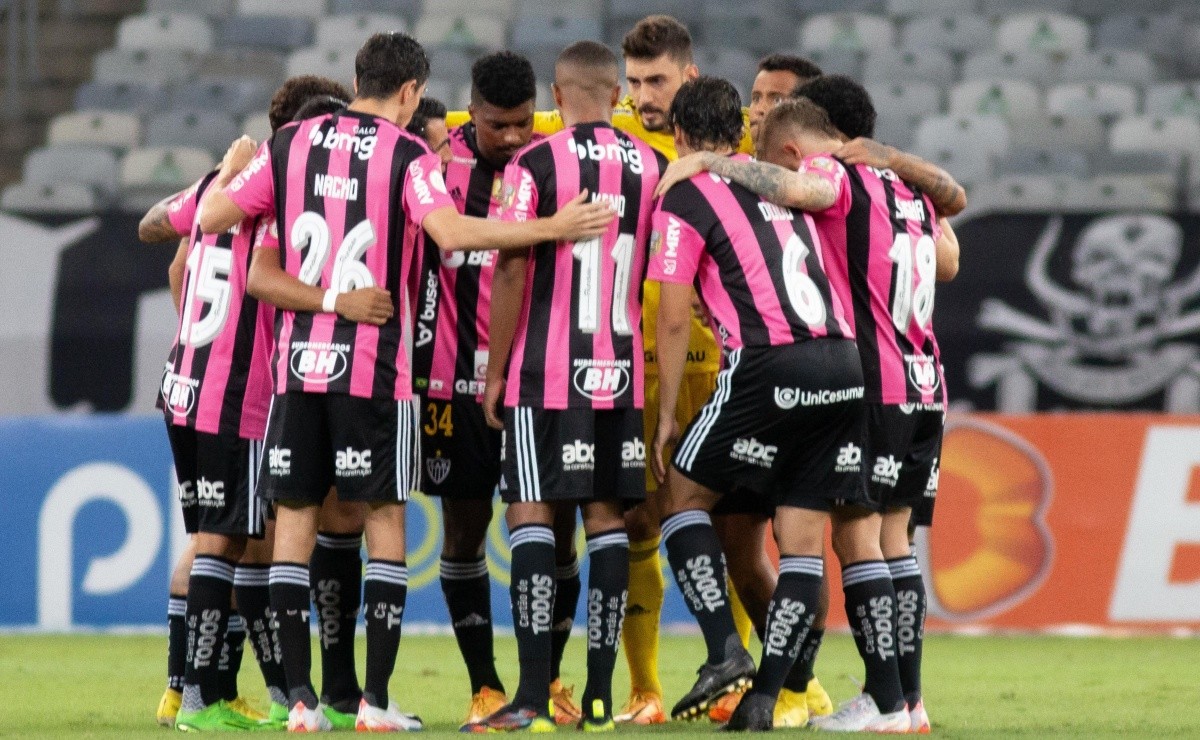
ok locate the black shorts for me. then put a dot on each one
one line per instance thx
(785, 424)
(462, 453)
(367, 447)
(902, 450)
(573, 455)
(217, 475)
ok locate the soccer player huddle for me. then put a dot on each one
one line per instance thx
(608, 309)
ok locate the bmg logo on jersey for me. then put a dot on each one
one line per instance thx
(179, 393)
(318, 362)
(849, 459)
(352, 463)
(210, 493)
(754, 452)
(356, 143)
(602, 380)
(279, 461)
(886, 471)
(621, 150)
(579, 455)
(923, 373)
(633, 454)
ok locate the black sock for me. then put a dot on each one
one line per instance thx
(231, 656)
(566, 601)
(871, 610)
(790, 615)
(336, 585)
(910, 624)
(251, 584)
(385, 590)
(176, 640)
(468, 591)
(289, 607)
(699, 568)
(210, 588)
(532, 592)
(802, 669)
(608, 590)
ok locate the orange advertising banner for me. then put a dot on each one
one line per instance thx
(1063, 521)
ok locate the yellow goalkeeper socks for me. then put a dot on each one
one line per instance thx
(741, 619)
(642, 615)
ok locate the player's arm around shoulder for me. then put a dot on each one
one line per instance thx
(947, 252)
(947, 195)
(218, 211)
(808, 191)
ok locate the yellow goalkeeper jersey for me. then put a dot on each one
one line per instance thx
(703, 355)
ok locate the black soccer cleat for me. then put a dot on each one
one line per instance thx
(755, 713)
(735, 673)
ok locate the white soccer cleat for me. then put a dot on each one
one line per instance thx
(374, 719)
(861, 715)
(303, 719)
(918, 719)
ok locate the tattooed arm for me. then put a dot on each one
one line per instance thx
(779, 185)
(156, 226)
(947, 195)
(947, 252)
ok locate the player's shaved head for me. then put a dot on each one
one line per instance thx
(789, 121)
(586, 72)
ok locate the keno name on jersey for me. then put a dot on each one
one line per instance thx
(620, 150)
(789, 398)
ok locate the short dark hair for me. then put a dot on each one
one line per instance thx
(320, 106)
(846, 101)
(386, 62)
(799, 66)
(427, 110)
(504, 79)
(656, 35)
(800, 113)
(587, 54)
(296, 91)
(708, 110)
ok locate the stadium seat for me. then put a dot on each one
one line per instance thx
(278, 32)
(257, 126)
(554, 30)
(1085, 133)
(624, 13)
(23, 197)
(410, 9)
(134, 97)
(1034, 66)
(542, 59)
(907, 99)
(904, 65)
(1100, 8)
(450, 63)
(1172, 99)
(298, 8)
(896, 130)
(165, 31)
(954, 33)
(736, 65)
(95, 166)
(152, 173)
(268, 66)
(916, 8)
(336, 64)
(1020, 194)
(1108, 66)
(1147, 32)
(813, 7)
(999, 11)
(836, 61)
(751, 24)
(462, 31)
(1118, 193)
(208, 8)
(1044, 163)
(109, 128)
(1008, 98)
(970, 165)
(1056, 33)
(568, 8)
(852, 31)
(143, 65)
(443, 90)
(207, 129)
(987, 134)
(1165, 165)
(350, 31)
(236, 96)
(1179, 134)
(1105, 99)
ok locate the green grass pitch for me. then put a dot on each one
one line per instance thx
(1037, 687)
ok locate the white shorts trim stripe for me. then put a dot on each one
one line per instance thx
(690, 445)
(528, 482)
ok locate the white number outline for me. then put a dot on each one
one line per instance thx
(803, 293)
(208, 273)
(587, 252)
(310, 232)
(913, 303)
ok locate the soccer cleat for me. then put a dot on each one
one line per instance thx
(918, 719)
(483, 703)
(860, 714)
(722, 709)
(791, 709)
(599, 721)
(643, 708)
(303, 719)
(819, 703)
(735, 673)
(565, 712)
(339, 719)
(754, 714)
(243, 707)
(374, 719)
(512, 719)
(218, 717)
(168, 707)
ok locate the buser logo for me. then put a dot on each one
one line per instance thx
(353, 462)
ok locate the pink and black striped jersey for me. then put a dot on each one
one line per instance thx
(880, 239)
(350, 191)
(756, 266)
(454, 294)
(218, 375)
(579, 337)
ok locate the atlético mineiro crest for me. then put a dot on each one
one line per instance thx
(438, 468)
